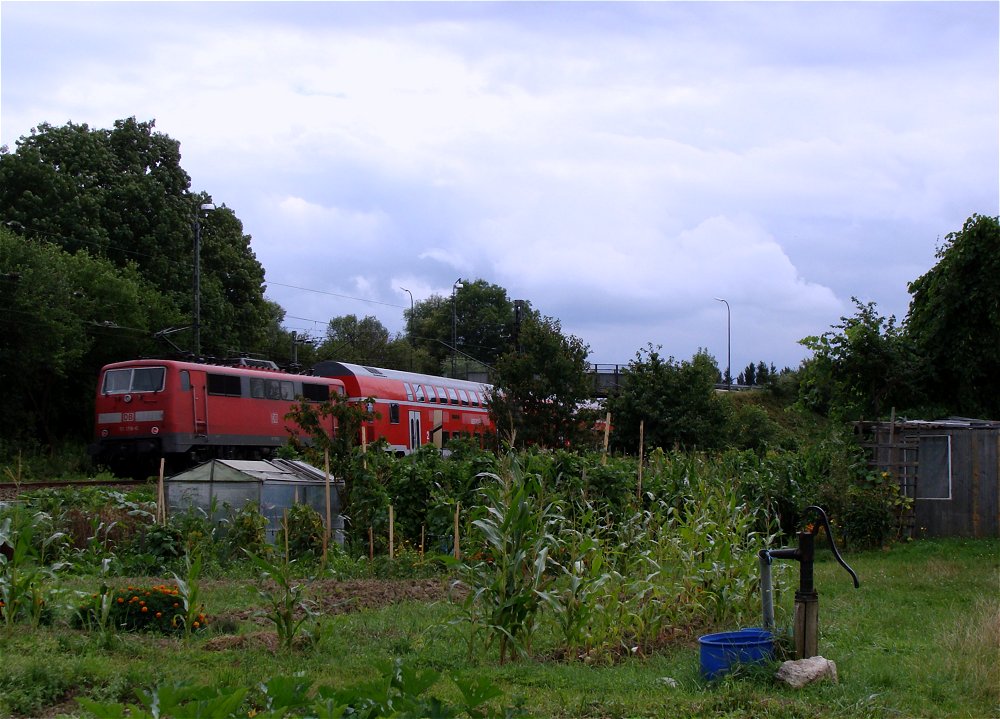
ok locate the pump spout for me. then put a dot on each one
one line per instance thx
(833, 545)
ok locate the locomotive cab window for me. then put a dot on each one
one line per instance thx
(135, 379)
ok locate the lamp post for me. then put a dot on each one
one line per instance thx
(729, 344)
(454, 321)
(409, 325)
(205, 207)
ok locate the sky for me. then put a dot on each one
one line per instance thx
(619, 165)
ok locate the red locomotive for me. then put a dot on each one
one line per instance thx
(187, 412)
(414, 409)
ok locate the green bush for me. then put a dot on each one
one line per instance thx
(305, 532)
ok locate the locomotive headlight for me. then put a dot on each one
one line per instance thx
(127, 398)
(155, 430)
(105, 432)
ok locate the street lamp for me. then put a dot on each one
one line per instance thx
(409, 325)
(729, 345)
(454, 321)
(206, 207)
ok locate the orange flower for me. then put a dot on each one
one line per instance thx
(120, 600)
(145, 609)
(159, 614)
(196, 625)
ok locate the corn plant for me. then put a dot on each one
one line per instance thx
(287, 607)
(188, 589)
(506, 586)
(23, 576)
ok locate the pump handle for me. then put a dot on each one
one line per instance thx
(833, 546)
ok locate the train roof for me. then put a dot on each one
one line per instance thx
(241, 369)
(331, 368)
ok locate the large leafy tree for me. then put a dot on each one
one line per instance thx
(539, 387)
(479, 315)
(121, 194)
(861, 368)
(65, 315)
(674, 402)
(364, 341)
(954, 320)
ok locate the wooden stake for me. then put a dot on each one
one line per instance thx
(458, 550)
(364, 446)
(284, 522)
(392, 533)
(642, 431)
(607, 432)
(326, 531)
(161, 499)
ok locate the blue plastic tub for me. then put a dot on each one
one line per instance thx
(721, 652)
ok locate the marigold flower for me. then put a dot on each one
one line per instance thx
(159, 614)
(196, 625)
(145, 609)
(120, 600)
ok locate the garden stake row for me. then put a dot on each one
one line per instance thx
(806, 627)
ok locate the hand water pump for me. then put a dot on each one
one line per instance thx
(806, 597)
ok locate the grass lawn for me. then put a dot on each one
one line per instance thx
(920, 638)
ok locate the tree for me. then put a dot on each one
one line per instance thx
(675, 402)
(954, 320)
(365, 341)
(539, 389)
(65, 315)
(480, 316)
(757, 375)
(860, 369)
(122, 195)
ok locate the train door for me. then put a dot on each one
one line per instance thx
(414, 430)
(200, 422)
(437, 433)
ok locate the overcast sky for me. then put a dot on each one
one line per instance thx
(619, 165)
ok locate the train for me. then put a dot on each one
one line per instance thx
(189, 412)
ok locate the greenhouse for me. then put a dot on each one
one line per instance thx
(223, 486)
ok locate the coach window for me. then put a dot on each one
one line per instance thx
(287, 390)
(464, 397)
(431, 393)
(419, 392)
(393, 413)
(452, 396)
(409, 391)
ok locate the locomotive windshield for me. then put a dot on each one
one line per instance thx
(136, 379)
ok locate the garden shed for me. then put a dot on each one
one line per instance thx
(950, 468)
(222, 486)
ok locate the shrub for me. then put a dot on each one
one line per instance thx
(305, 532)
(156, 609)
